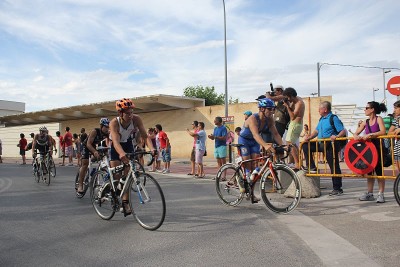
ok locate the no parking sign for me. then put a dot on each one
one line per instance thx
(361, 156)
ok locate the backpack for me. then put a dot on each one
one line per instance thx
(341, 143)
(281, 114)
(386, 149)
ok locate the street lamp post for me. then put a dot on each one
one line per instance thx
(226, 65)
(373, 92)
(384, 71)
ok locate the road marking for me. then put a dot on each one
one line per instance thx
(5, 183)
(332, 249)
(380, 217)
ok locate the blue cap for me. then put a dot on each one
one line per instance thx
(248, 113)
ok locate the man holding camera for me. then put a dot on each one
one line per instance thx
(295, 106)
(281, 115)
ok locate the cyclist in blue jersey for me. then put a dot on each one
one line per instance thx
(249, 135)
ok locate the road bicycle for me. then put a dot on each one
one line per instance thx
(146, 198)
(102, 164)
(44, 167)
(396, 189)
(280, 186)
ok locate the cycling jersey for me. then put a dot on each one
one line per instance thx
(43, 143)
(100, 136)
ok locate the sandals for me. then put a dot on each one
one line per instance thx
(190, 173)
(126, 209)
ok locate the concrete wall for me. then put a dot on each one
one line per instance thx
(11, 108)
(174, 123)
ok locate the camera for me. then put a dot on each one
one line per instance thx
(272, 92)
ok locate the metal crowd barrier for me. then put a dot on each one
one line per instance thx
(323, 170)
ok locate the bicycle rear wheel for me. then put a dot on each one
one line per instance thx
(101, 196)
(396, 186)
(147, 202)
(227, 184)
(280, 189)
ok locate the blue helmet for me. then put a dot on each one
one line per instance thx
(104, 122)
(266, 103)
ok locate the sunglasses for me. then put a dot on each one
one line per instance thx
(367, 108)
(270, 109)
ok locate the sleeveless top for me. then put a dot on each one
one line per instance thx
(246, 132)
(374, 127)
(43, 141)
(126, 133)
(100, 136)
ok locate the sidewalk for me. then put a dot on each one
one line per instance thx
(179, 166)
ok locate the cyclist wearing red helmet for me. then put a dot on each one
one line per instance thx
(122, 128)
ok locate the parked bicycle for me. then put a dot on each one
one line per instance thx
(146, 197)
(44, 167)
(280, 186)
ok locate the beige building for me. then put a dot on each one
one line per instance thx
(174, 113)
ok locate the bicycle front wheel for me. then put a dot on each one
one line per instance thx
(396, 188)
(101, 196)
(147, 202)
(280, 189)
(227, 181)
(52, 167)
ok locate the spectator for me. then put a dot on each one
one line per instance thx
(195, 125)
(69, 151)
(395, 130)
(219, 135)
(78, 148)
(165, 147)
(281, 116)
(83, 135)
(22, 147)
(374, 127)
(29, 146)
(151, 133)
(1, 151)
(387, 120)
(324, 129)
(200, 136)
(62, 147)
(247, 114)
(295, 107)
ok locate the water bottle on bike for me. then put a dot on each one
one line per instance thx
(254, 174)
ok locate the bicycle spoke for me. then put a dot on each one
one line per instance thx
(101, 197)
(280, 189)
(227, 184)
(147, 201)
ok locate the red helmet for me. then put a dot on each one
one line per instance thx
(124, 103)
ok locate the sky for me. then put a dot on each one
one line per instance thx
(62, 53)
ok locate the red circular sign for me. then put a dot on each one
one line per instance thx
(393, 85)
(361, 156)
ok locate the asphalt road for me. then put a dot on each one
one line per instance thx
(48, 226)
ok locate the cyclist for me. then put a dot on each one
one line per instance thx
(122, 128)
(249, 135)
(43, 142)
(96, 136)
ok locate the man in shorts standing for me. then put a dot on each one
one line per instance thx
(219, 135)
(295, 106)
(195, 124)
(69, 150)
(165, 147)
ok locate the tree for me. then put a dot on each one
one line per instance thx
(207, 93)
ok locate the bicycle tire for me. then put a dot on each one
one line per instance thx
(396, 188)
(228, 189)
(147, 202)
(274, 189)
(47, 176)
(36, 174)
(101, 196)
(86, 182)
(40, 171)
(52, 167)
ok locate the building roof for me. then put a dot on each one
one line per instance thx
(143, 104)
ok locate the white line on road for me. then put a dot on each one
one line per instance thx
(332, 249)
